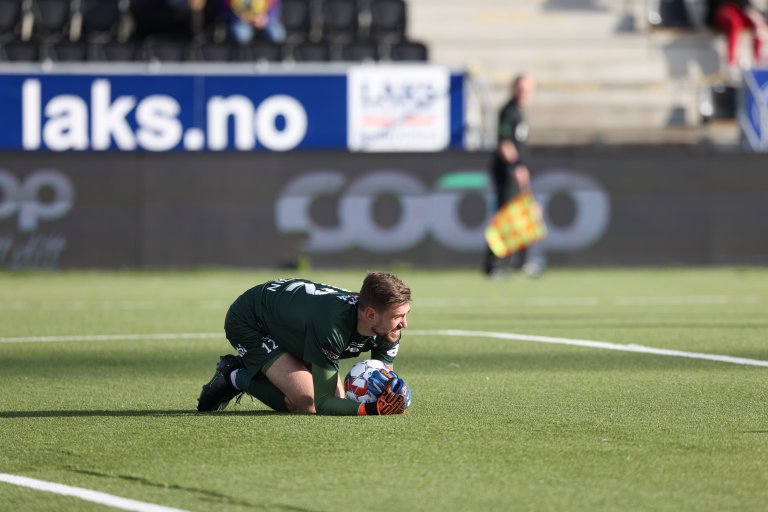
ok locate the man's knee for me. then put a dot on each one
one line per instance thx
(293, 378)
(300, 404)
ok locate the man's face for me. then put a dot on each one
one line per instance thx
(523, 90)
(387, 324)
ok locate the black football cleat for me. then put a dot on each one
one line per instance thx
(219, 391)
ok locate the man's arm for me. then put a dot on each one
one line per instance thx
(508, 151)
(325, 383)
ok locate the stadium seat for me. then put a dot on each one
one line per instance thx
(115, 51)
(359, 51)
(718, 102)
(160, 18)
(214, 52)
(51, 18)
(101, 19)
(260, 51)
(10, 16)
(166, 48)
(668, 14)
(311, 52)
(22, 51)
(409, 51)
(388, 20)
(67, 51)
(340, 20)
(297, 19)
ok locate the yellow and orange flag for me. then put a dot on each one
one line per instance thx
(516, 225)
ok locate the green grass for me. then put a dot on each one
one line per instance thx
(495, 425)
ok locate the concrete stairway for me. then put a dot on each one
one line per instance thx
(603, 75)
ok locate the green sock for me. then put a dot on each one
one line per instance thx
(262, 389)
(242, 379)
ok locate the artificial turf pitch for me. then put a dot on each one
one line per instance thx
(97, 394)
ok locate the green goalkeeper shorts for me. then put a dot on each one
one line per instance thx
(247, 334)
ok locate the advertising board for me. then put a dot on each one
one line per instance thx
(361, 108)
(753, 115)
(339, 209)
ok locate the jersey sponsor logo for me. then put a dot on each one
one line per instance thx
(393, 351)
(354, 348)
(330, 354)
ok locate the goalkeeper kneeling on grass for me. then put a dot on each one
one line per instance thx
(290, 334)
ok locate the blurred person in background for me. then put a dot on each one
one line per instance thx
(253, 19)
(732, 17)
(509, 170)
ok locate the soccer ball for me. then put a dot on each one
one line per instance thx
(356, 381)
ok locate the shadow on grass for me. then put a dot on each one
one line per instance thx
(128, 413)
(217, 498)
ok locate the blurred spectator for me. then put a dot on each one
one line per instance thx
(252, 19)
(733, 16)
(509, 170)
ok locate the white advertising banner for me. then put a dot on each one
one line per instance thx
(398, 108)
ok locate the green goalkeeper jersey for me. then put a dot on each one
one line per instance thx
(315, 323)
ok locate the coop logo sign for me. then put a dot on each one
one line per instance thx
(103, 120)
(44, 195)
(428, 210)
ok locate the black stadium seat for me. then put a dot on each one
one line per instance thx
(311, 52)
(359, 51)
(115, 51)
(215, 52)
(388, 19)
(668, 14)
(10, 16)
(22, 51)
(66, 51)
(409, 51)
(100, 18)
(51, 18)
(166, 48)
(260, 51)
(340, 20)
(296, 16)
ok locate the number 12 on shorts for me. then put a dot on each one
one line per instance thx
(268, 344)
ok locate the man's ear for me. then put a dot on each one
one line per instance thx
(370, 314)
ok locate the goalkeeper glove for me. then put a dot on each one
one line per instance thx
(379, 379)
(394, 399)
